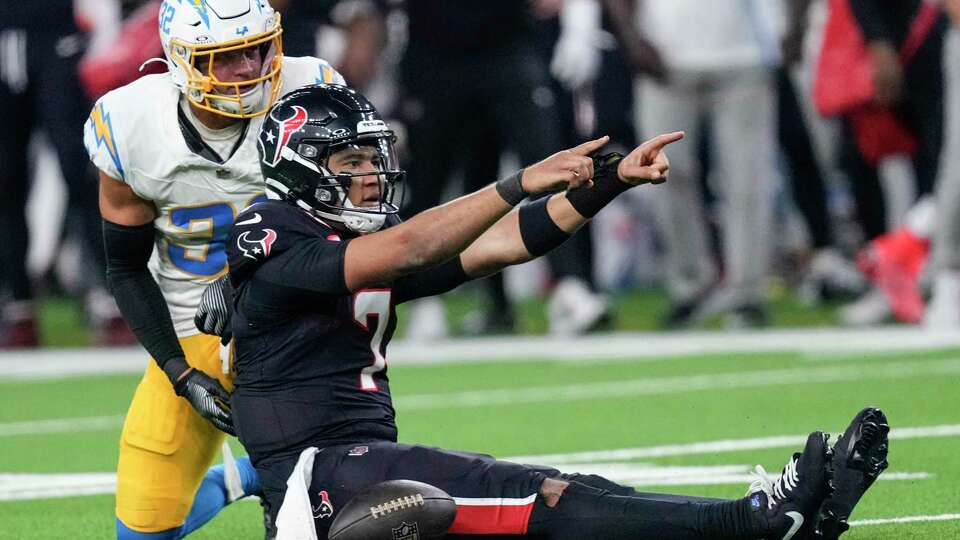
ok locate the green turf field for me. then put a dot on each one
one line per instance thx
(552, 413)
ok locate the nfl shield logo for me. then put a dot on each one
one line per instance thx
(406, 531)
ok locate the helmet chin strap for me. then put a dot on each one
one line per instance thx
(250, 101)
(361, 222)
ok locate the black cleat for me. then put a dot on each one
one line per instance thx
(786, 504)
(859, 457)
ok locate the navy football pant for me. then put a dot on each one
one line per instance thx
(498, 498)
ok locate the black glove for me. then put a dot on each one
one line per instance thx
(216, 308)
(204, 393)
(605, 165)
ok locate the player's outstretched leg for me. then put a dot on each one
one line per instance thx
(772, 509)
(859, 456)
(785, 504)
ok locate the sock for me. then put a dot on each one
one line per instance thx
(921, 219)
(212, 497)
(126, 533)
(731, 519)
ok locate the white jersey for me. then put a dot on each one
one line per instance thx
(133, 135)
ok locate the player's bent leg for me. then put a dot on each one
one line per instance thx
(165, 448)
(213, 495)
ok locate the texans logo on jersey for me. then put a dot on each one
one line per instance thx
(325, 508)
(256, 248)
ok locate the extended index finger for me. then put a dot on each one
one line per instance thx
(589, 147)
(660, 141)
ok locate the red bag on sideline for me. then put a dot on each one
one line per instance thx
(844, 81)
(120, 64)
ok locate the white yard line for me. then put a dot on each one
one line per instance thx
(61, 425)
(716, 447)
(907, 519)
(813, 374)
(52, 363)
(673, 385)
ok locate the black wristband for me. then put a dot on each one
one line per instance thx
(174, 368)
(538, 231)
(511, 188)
(587, 201)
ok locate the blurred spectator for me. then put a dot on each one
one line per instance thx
(476, 80)
(943, 310)
(697, 59)
(871, 50)
(121, 57)
(570, 40)
(869, 54)
(40, 46)
(825, 271)
(361, 22)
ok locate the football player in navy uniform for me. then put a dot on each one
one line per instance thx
(317, 272)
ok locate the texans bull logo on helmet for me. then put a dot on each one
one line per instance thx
(286, 128)
(256, 248)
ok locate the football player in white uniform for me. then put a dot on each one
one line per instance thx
(178, 160)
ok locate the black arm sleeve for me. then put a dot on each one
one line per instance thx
(436, 280)
(314, 265)
(137, 294)
(870, 19)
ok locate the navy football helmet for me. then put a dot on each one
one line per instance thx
(301, 133)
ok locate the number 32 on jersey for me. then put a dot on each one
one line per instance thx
(202, 234)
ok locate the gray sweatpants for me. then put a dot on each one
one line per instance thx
(741, 104)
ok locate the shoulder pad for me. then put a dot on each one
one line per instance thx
(266, 230)
(300, 71)
(107, 131)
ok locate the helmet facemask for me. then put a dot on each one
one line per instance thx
(366, 167)
(234, 99)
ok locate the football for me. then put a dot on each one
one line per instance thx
(395, 510)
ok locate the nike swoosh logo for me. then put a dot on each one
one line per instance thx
(251, 221)
(797, 518)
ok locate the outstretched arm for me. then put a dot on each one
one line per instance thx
(539, 227)
(440, 234)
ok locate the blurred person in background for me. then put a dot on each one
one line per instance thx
(570, 40)
(363, 31)
(904, 49)
(40, 46)
(692, 60)
(476, 66)
(825, 271)
(943, 310)
(881, 69)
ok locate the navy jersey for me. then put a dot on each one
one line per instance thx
(309, 355)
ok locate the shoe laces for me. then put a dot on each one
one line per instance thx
(780, 489)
